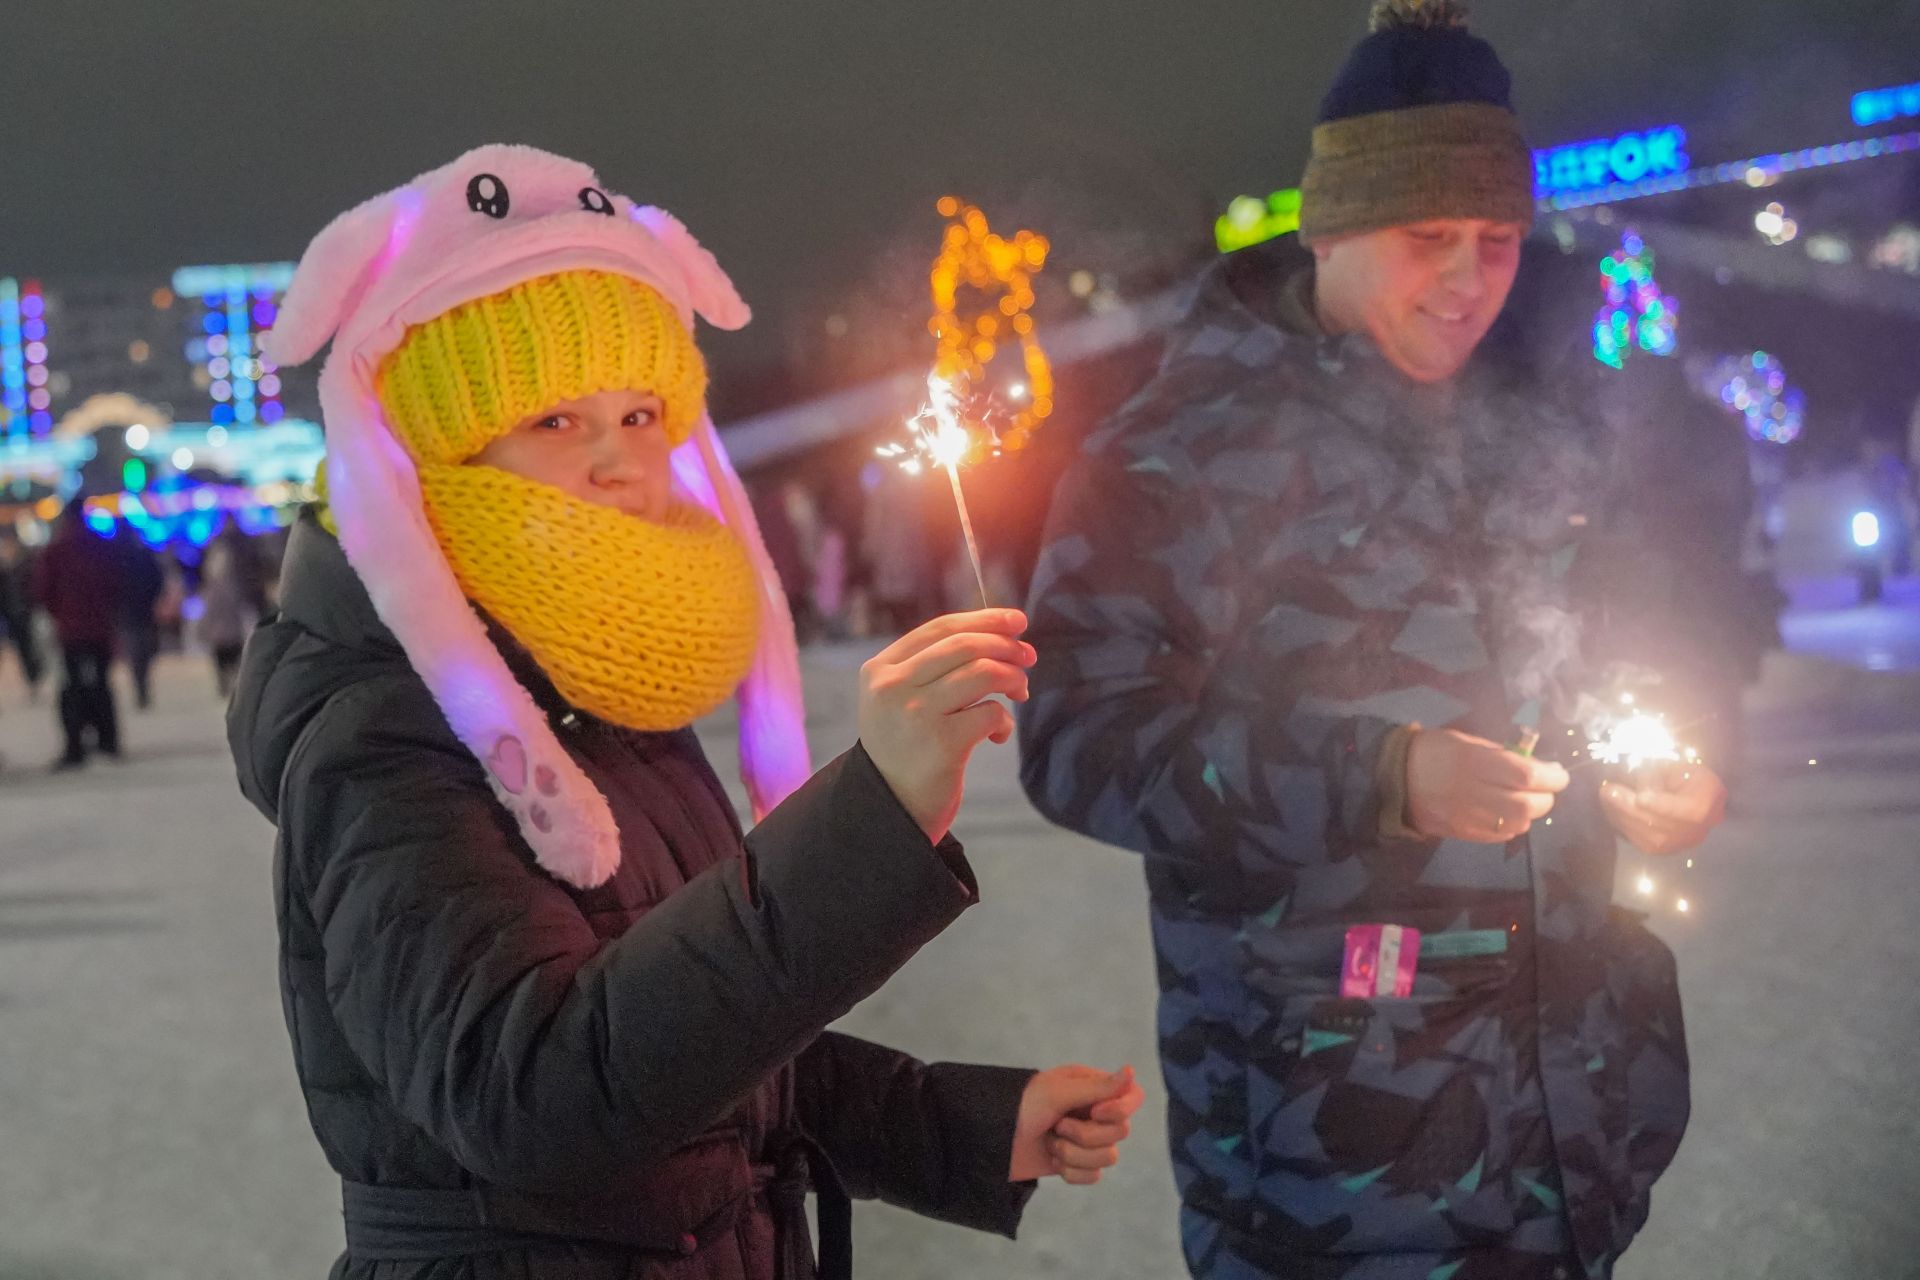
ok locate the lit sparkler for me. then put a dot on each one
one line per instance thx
(1635, 740)
(941, 441)
(944, 434)
(1634, 736)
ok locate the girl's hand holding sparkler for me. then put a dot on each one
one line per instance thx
(1460, 787)
(1673, 810)
(926, 701)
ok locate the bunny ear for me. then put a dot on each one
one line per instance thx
(708, 288)
(773, 714)
(334, 273)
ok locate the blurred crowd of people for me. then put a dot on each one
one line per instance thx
(862, 549)
(91, 599)
(866, 549)
(856, 568)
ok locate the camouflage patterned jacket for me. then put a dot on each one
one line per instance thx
(1273, 556)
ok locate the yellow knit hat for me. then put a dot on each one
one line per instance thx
(461, 380)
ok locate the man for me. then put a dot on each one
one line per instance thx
(78, 582)
(16, 609)
(142, 583)
(1890, 494)
(1292, 602)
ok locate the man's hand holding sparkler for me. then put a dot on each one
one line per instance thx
(926, 701)
(1460, 787)
(1666, 809)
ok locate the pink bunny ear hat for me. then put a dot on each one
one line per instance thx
(497, 217)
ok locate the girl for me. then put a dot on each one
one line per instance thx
(554, 1015)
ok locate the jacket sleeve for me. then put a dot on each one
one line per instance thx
(472, 987)
(1155, 723)
(936, 1139)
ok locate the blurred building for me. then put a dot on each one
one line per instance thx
(186, 341)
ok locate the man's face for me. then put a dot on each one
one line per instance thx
(1426, 292)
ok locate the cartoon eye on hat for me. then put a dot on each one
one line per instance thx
(487, 194)
(594, 200)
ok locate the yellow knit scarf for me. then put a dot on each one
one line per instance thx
(647, 625)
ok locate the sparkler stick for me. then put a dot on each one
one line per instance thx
(951, 444)
(966, 527)
(940, 440)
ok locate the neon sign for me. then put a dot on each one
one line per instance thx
(1249, 220)
(13, 360)
(1630, 157)
(1877, 106)
(25, 392)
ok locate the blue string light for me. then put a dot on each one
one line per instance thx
(1768, 166)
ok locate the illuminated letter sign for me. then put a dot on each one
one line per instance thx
(1581, 166)
(1876, 106)
(1249, 220)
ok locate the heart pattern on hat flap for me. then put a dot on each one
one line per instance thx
(508, 762)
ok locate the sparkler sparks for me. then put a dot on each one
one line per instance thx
(939, 440)
(1636, 740)
(938, 437)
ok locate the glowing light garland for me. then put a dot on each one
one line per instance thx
(1000, 272)
(1636, 313)
(1756, 388)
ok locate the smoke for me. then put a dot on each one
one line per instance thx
(1539, 470)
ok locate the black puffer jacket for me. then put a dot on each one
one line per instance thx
(517, 1078)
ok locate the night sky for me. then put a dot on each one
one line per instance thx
(138, 135)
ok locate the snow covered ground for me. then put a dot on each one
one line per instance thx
(151, 1129)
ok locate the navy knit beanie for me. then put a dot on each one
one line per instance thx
(1418, 125)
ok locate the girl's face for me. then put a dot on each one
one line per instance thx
(608, 448)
